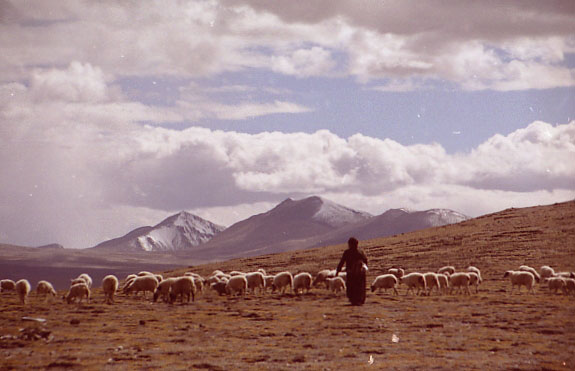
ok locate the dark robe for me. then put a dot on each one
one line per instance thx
(355, 282)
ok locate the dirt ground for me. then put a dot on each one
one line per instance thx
(491, 329)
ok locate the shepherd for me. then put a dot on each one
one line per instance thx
(356, 268)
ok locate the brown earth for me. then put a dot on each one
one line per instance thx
(492, 329)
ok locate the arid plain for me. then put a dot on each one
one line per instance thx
(491, 329)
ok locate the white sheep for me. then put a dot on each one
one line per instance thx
(7, 285)
(443, 282)
(22, 288)
(302, 281)
(163, 289)
(237, 284)
(143, 283)
(557, 283)
(109, 287)
(431, 281)
(237, 273)
(219, 287)
(474, 280)
(183, 287)
(256, 280)
(526, 268)
(570, 286)
(413, 280)
(385, 282)
(78, 291)
(476, 270)
(199, 282)
(547, 271)
(269, 282)
(448, 268)
(217, 272)
(336, 284)
(282, 281)
(565, 274)
(45, 288)
(262, 271)
(321, 277)
(144, 273)
(520, 278)
(461, 281)
(397, 272)
(86, 277)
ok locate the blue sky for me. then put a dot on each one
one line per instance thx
(115, 116)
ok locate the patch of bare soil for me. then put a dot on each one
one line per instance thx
(491, 329)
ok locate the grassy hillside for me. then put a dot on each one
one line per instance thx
(492, 329)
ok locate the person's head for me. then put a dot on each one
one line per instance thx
(352, 243)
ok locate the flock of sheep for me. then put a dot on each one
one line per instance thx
(445, 281)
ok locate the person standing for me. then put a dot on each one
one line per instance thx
(356, 267)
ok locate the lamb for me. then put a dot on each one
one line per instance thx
(526, 268)
(547, 271)
(414, 280)
(256, 280)
(520, 278)
(570, 286)
(7, 285)
(397, 272)
(443, 282)
(142, 283)
(322, 277)
(183, 287)
(109, 287)
(22, 288)
(476, 270)
(336, 284)
(45, 288)
(431, 281)
(557, 283)
(78, 291)
(385, 281)
(281, 281)
(474, 280)
(448, 268)
(459, 280)
(237, 284)
(302, 281)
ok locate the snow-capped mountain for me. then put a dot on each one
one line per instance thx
(178, 232)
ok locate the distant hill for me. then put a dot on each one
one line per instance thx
(51, 246)
(178, 232)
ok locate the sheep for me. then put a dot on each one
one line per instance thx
(565, 274)
(476, 270)
(474, 280)
(443, 282)
(526, 268)
(79, 290)
(336, 284)
(397, 272)
(281, 281)
(183, 287)
(385, 281)
(45, 288)
(22, 288)
(302, 281)
(321, 277)
(414, 280)
(256, 280)
(520, 278)
(269, 282)
(211, 279)
(109, 287)
(199, 282)
(7, 285)
(219, 287)
(163, 289)
(547, 271)
(448, 268)
(431, 281)
(459, 280)
(217, 272)
(570, 286)
(142, 283)
(237, 273)
(237, 284)
(145, 273)
(86, 278)
(262, 271)
(557, 283)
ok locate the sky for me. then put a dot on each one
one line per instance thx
(116, 115)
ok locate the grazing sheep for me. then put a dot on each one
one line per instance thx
(237, 284)
(412, 280)
(447, 269)
(109, 287)
(385, 282)
(281, 281)
(262, 271)
(45, 288)
(86, 278)
(570, 286)
(143, 283)
(211, 279)
(22, 288)
(565, 274)
(526, 268)
(459, 280)
(474, 280)
(163, 289)
(443, 283)
(336, 284)
(199, 282)
(431, 281)
(269, 282)
(145, 273)
(547, 271)
(237, 273)
(78, 291)
(476, 270)
(397, 272)
(520, 278)
(183, 287)
(557, 283)
(322, 277)
(219, 287)
(7, 285)
(301, 281)
(256, 280)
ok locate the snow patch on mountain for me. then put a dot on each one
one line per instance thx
(440, 217)
(337, 215)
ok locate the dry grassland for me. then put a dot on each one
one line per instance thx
(492, 329)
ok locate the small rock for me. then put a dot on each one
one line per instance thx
(74, 321)
(142, 322)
